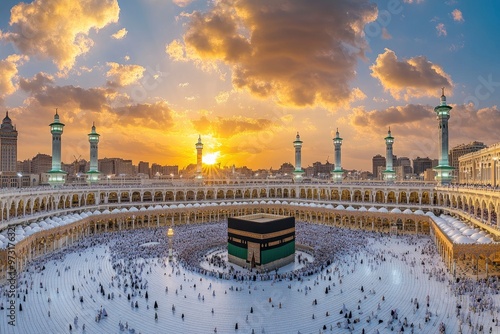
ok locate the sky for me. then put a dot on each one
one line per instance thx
(247, 75)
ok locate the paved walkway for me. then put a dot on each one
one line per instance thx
(369, 284)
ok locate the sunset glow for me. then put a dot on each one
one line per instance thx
(214, 68)
(211, 158)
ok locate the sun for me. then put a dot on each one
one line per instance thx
(210, 158)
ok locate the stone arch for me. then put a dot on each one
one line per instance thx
(147, 196)
(379, 197)
(125, 197)
(158, 197)
(113, 197)
(357, 196)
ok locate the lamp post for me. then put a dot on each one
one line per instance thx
(170, 235)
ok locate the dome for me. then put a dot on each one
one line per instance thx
(340, 207)
(362, 209)
(395, 210)
(383, 210)
(133, 209)
(484, 240)
(469, 232)
(350, 208)
(7, 123)
(372, 209)
(463, 240)
(476, 236)
(407, 212)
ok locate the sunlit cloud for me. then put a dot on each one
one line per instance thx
(457, 15)
(123, 75)
(297, 53)
(441, 30)
(182, 3)
(228, 127)
(414, 77)
(8, 73)
(58, 29)
(120, 34)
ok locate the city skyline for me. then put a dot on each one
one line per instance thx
(153, 76)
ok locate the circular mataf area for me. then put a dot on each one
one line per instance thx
(373, 282)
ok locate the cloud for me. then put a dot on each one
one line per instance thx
(58, 29)
(46, 94)
(457, 15)
(149, 115)
(441, 30)
(37, 84)
(385, 33)
(120, 34)
(228, 127)
(413, 1)
(295, 52)
(124, 75)
(392, 115)
(182, 3)
(414, 77)
(8, 72)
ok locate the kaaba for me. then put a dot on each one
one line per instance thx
(262, 241)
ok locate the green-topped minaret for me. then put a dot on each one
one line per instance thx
(298, 172)
(56, 175)
(338, 172)
(389, 173)
(443, 170)
(93, 173)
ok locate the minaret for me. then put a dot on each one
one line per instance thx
(338, 172)
(389, 173)
(93, 173)
(298, 172)
(56, 175)
(199, 154)
(443, 169)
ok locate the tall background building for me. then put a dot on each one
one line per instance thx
(462, 149)
(8, 146)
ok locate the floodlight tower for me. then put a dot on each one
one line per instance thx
(338, 172)
(443, 169)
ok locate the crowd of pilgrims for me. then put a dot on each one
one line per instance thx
(330, 245)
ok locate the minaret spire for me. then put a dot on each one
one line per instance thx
(57, 175)
(93, 173)
(389, 173)
(443, 169)
(199, 155)
(338, 172)
(298, 172)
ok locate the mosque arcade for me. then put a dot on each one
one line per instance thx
(403, 207)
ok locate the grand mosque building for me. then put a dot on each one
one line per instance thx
(37, 221)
